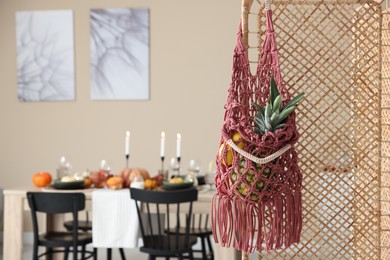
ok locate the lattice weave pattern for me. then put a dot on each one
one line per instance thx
(385, 167)
(331, 51)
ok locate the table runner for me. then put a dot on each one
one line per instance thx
(115, 222)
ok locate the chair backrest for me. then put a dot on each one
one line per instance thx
(56, 202)
(157, 207)
(53, 203)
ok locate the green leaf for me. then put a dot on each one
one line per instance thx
(267, 122)
(274, 92)
(260, 129)
(275, 118)
(277, 102)
(285, 113)
(258, 108)
(260, 116)
(260, 123)
(279, 127)
(268, 111)
(294, 101)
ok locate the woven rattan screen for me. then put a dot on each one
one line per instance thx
(331, 50)
(385, 185)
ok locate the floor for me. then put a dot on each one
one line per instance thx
(131, 254)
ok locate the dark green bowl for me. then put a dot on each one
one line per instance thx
(176, 186)
(73, 185)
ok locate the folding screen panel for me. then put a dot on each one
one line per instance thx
(331, 50)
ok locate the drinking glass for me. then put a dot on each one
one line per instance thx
(209, 179)
(175, 166)
(64, 168)
(191, 178)
(194, 166)
(105, 166)
(210, 175)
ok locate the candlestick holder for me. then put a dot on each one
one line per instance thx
(162, 163)
(127, 160)
(178, 163)
(164, 173)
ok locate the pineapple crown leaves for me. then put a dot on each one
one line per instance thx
(273, 115)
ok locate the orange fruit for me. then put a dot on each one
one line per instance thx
(87, 182)
(115, 183)
(41, 179)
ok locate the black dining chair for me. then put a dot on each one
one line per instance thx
(59, 241)
(86, 226)
(200, 227)
(165, 210)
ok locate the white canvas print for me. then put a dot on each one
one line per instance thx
(120, 54)
(45, 55)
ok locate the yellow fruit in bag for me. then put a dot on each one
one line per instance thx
(229, 155)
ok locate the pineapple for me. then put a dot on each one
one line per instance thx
(272, 117)
(249, 178)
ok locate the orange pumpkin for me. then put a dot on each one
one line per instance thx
(128, 175)
(42, 179)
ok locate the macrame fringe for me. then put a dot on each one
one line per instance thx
(251, 227)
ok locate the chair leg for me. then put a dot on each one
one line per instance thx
(95, 255)
(109, 253)
(35, 251)
(191, 255)
(204, 255)
(75, 253)
(83, 252)
(66, 253)
(122, 254)
(50, 253)
(210, 248)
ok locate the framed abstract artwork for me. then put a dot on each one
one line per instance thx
(119, 41)
(45, 55)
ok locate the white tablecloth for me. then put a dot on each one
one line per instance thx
(115, 221)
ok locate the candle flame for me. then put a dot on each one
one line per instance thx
(127, 133)
(162, 134)
(178, 136)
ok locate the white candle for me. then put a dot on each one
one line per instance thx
(127, 143)
(162, 144)
(178, 145)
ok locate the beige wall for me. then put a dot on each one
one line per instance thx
(191, 46)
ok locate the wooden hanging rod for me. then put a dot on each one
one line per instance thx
(245, 10)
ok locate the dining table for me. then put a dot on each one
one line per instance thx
(15, 204)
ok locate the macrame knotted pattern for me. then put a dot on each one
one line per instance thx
(257, 206)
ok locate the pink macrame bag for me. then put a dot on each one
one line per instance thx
(258, 201)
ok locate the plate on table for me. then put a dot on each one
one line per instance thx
(176, 186)
(71, 185)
